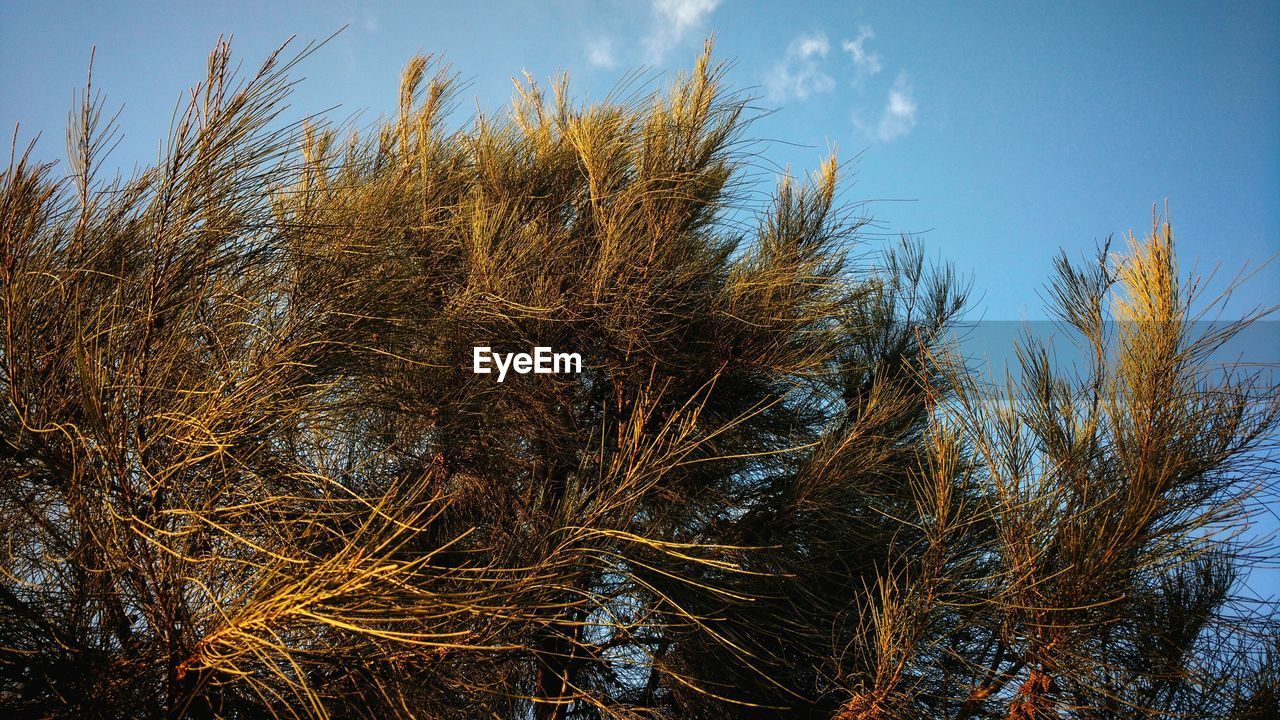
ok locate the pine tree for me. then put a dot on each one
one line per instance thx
(247, 470)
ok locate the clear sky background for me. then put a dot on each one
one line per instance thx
(1000, 132)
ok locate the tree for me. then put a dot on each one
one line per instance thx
(248, 472)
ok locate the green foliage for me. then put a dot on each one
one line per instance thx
(246, 469)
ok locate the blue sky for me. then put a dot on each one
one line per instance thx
(1000, 132)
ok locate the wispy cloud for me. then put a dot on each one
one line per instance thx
(866, 63)
(361, 14)
(798, 75)
(600, 53)
(899, 115)
(805, 70)
(673, 21)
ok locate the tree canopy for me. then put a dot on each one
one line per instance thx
(247, 470)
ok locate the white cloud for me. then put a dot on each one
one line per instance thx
(899, 115)
(797, 75)
(805, 71)
(808, 46)
(867, 63)
(673, 21)
(600, 53)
